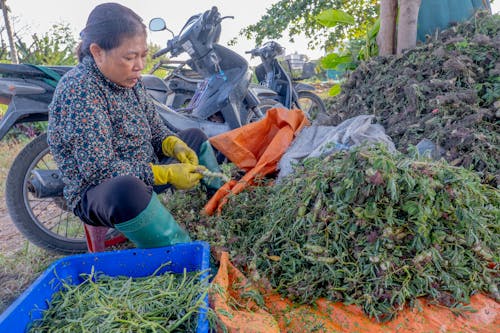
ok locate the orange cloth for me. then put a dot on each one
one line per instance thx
(256, 148)
(230, 284)
(281, 315)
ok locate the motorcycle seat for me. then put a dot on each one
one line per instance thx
(154, 83)
(156, 87)
(22, 70)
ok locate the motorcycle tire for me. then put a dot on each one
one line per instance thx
(264, 105)
(312, 105)
(41, 220)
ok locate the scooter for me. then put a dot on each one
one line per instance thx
(182, 82)
(34, 185)
(222, 99)
(288, 90)
(291, 93)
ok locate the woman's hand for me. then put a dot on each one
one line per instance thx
(181, 175)
(174, 147)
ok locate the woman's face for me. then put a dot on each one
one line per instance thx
(122, 65)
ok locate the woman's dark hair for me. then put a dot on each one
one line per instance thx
(107, 25)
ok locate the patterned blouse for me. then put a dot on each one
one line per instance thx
(98, 130)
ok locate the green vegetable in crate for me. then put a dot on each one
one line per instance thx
(369, 228)
(163, 303)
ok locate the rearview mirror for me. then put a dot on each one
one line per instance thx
(157, 24)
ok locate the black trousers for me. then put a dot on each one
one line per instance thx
(122, 198)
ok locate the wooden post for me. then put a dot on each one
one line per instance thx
(407, 24)
(10, 34)
(386, 35)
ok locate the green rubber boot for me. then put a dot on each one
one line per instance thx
(153, 227)
(207, 158)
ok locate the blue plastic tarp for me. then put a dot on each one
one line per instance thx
(439, 14)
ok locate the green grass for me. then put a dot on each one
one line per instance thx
(19, 270)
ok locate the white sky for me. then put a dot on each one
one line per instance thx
(40, 15)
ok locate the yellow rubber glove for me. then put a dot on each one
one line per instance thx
(172, 146)
(181, 175)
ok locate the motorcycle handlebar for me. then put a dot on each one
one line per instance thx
(226, 17)
(170, 46)
(208, 20)
(160, 53)
(269, 49)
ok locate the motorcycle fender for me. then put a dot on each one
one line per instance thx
(261, 91)
(178, 122)
(211, 103)
(231, 111)
(212, 99)
(303, 87)
(21, 110)
(16, 87)
(234, 112)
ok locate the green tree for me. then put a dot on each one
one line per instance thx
(299, 16)
(150, 62)
(55, 47)
(356, 50)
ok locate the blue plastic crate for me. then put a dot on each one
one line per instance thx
(132, 263)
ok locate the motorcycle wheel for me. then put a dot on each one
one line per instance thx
(264, 105)
(311, 104)
(46, 222)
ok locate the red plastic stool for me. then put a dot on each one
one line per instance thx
(96, 238)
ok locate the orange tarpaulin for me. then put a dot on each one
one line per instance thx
(229, 299)
(256, 148)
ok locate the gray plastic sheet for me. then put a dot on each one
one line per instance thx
(316, 141)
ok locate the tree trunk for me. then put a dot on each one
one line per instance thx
(13, 51)
(407, 25)
(385, 37)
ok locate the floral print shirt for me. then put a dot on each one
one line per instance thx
(98, 130)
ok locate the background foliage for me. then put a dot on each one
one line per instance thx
(299, 17)
(55, 47)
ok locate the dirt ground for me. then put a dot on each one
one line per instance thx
(11, 240)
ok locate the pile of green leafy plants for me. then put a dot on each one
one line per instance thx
(447, 91)
(367, 228)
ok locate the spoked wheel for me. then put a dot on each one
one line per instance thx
(311, 104)
(46, 222)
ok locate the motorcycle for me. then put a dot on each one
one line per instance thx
(34, 186)
(290, 92)
(222, 98)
